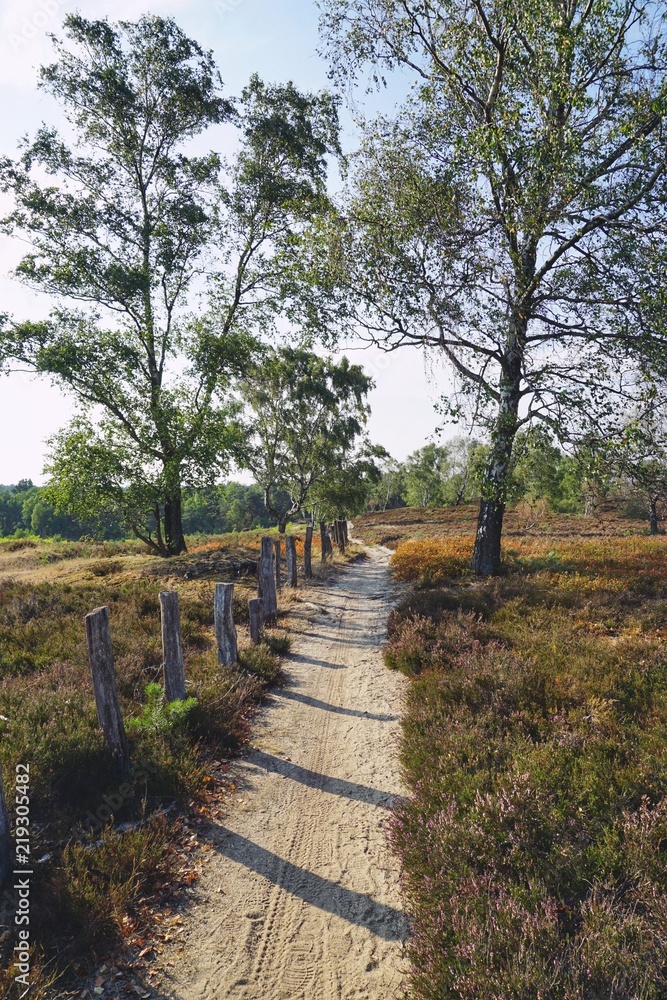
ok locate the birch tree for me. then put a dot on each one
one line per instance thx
(491, 218)
(124, 224)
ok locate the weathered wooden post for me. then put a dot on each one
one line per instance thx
(346, 536)
(290, 550)
(279, 582)
(225, 632)
(323, 541)
(172, 647)
(6, 847)
(267, 580)
(308, 553)
(256, 619)
(340, 536)
(100, 657)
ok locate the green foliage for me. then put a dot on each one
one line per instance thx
(540, 470)
(159, 717)
(308, 413)
(510, 214)
(263, 661)
(129, 217)
(440, 475)
(277, 643)
(230, 507)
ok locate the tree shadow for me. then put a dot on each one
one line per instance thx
(312, 662)
(355, 907)
(326, 707)
(323, 782)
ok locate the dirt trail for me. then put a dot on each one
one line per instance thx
(300, 899)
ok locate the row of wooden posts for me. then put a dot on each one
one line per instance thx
(262, 610)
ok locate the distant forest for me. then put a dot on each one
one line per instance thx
(25, 511)
(433, 476)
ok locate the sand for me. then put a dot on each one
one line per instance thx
(300, 898)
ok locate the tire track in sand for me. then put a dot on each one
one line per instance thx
(300, 900)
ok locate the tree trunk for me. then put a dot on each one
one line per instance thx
(486, 555)
(174, 539)
(654, 515)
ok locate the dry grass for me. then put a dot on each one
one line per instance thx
(391, 527)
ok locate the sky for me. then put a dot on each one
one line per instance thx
(275, 38)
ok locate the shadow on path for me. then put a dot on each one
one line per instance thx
(325, 706)
(323, 782)
(355, 907)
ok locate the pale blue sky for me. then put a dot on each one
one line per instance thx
(278, 40)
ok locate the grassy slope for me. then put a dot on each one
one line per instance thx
(83, 898)
(534, 840)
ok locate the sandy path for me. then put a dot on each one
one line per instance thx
(300, 899)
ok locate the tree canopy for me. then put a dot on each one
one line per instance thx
(504, 216)
(308, 413)
(128, 223)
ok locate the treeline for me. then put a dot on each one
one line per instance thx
(571, 483)
(25, 510)
(433, 476)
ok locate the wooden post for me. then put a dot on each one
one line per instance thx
(267, 580)
(279, 582)
(172, 647)
(290, 548)
(100, 656)
(340, 536)
(256, 619)
(308, 553)
(225, 631)
(346, 536)
(6, 846)
(323, 541)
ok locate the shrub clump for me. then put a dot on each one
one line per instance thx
(534, 746)
(263, 662)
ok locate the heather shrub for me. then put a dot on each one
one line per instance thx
(278, 642)
(49, 720)
(430, 560)
(534, 745)
(263, 662)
